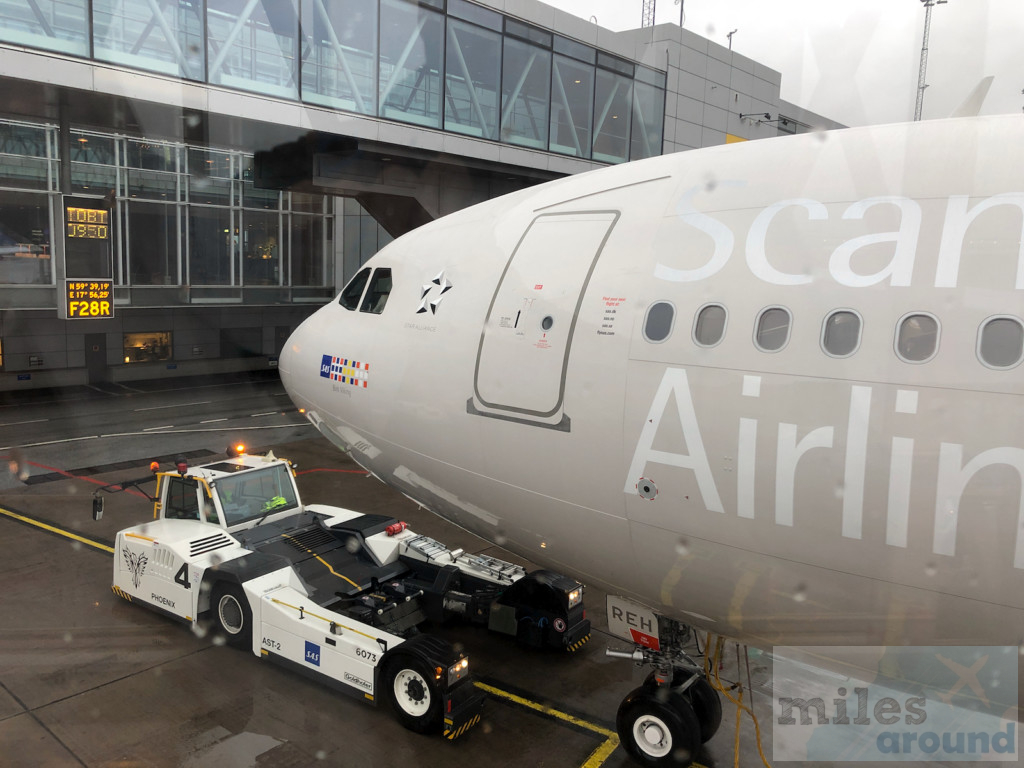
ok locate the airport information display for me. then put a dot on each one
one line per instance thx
(91, 299)
(89, 223)
(87, 238)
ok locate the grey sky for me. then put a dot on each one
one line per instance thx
(856, 61)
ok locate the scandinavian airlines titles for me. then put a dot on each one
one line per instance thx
(959, 215)
(954, 473)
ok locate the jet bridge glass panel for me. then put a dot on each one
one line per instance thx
(255, 50)
(157, 36)
(526, 339)
(472, 80)
(56, 25)
(339, 62)
(525, 86)
(572, 106)
(411, 64)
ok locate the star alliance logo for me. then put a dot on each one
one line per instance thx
(433, 293)
(136, 564)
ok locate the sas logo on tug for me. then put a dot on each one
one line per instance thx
(313, 653)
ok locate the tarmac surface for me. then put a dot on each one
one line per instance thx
(88, 679)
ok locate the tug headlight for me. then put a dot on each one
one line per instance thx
(457, 671)
(575, 597)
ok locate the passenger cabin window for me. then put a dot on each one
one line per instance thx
(772, 329)
(709, 325)
(378, 292)
(1001, 342)
(658, 324)
(840, 335)
(352, 292)
(182, 499)
(917, 338)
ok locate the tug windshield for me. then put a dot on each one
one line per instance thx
(251, 495)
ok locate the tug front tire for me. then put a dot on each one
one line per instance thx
(232, 615)
(414, 694)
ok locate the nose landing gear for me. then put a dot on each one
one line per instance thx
(665, 720)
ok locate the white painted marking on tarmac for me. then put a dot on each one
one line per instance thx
(212, 421)
(51, 442)
(166, 432)
(175, 405)
(16, 423)
(153, 429)
(267, 413)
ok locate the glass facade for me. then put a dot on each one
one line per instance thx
(454, 66)
(183, 217)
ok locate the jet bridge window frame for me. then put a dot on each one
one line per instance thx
(984, 357)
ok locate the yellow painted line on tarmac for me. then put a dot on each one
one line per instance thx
(597, 757)
(58, 531)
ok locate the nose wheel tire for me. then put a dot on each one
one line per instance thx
(232, 615)
(702, 697)
(414, 693)
(659, 730)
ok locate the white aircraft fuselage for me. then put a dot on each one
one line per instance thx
(544, 374)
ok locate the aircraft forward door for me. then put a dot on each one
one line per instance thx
(527, 335)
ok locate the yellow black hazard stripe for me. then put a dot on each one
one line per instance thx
(120, 592)
(573, 647)
(451, 735)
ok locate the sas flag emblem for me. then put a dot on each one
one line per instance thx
(346, 371)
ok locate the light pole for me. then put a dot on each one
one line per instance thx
(921, 85)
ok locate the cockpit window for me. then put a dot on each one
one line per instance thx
(377, 295)
(350, 296)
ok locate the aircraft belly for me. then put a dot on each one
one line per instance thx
(772, 600)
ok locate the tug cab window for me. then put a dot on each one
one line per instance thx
(352, 292)
(182, 499)
(377, 294)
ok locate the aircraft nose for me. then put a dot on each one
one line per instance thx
(289, 361)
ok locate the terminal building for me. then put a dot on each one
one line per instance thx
(182, 182)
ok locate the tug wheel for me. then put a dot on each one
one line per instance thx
(232, 614)
(414, 694)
